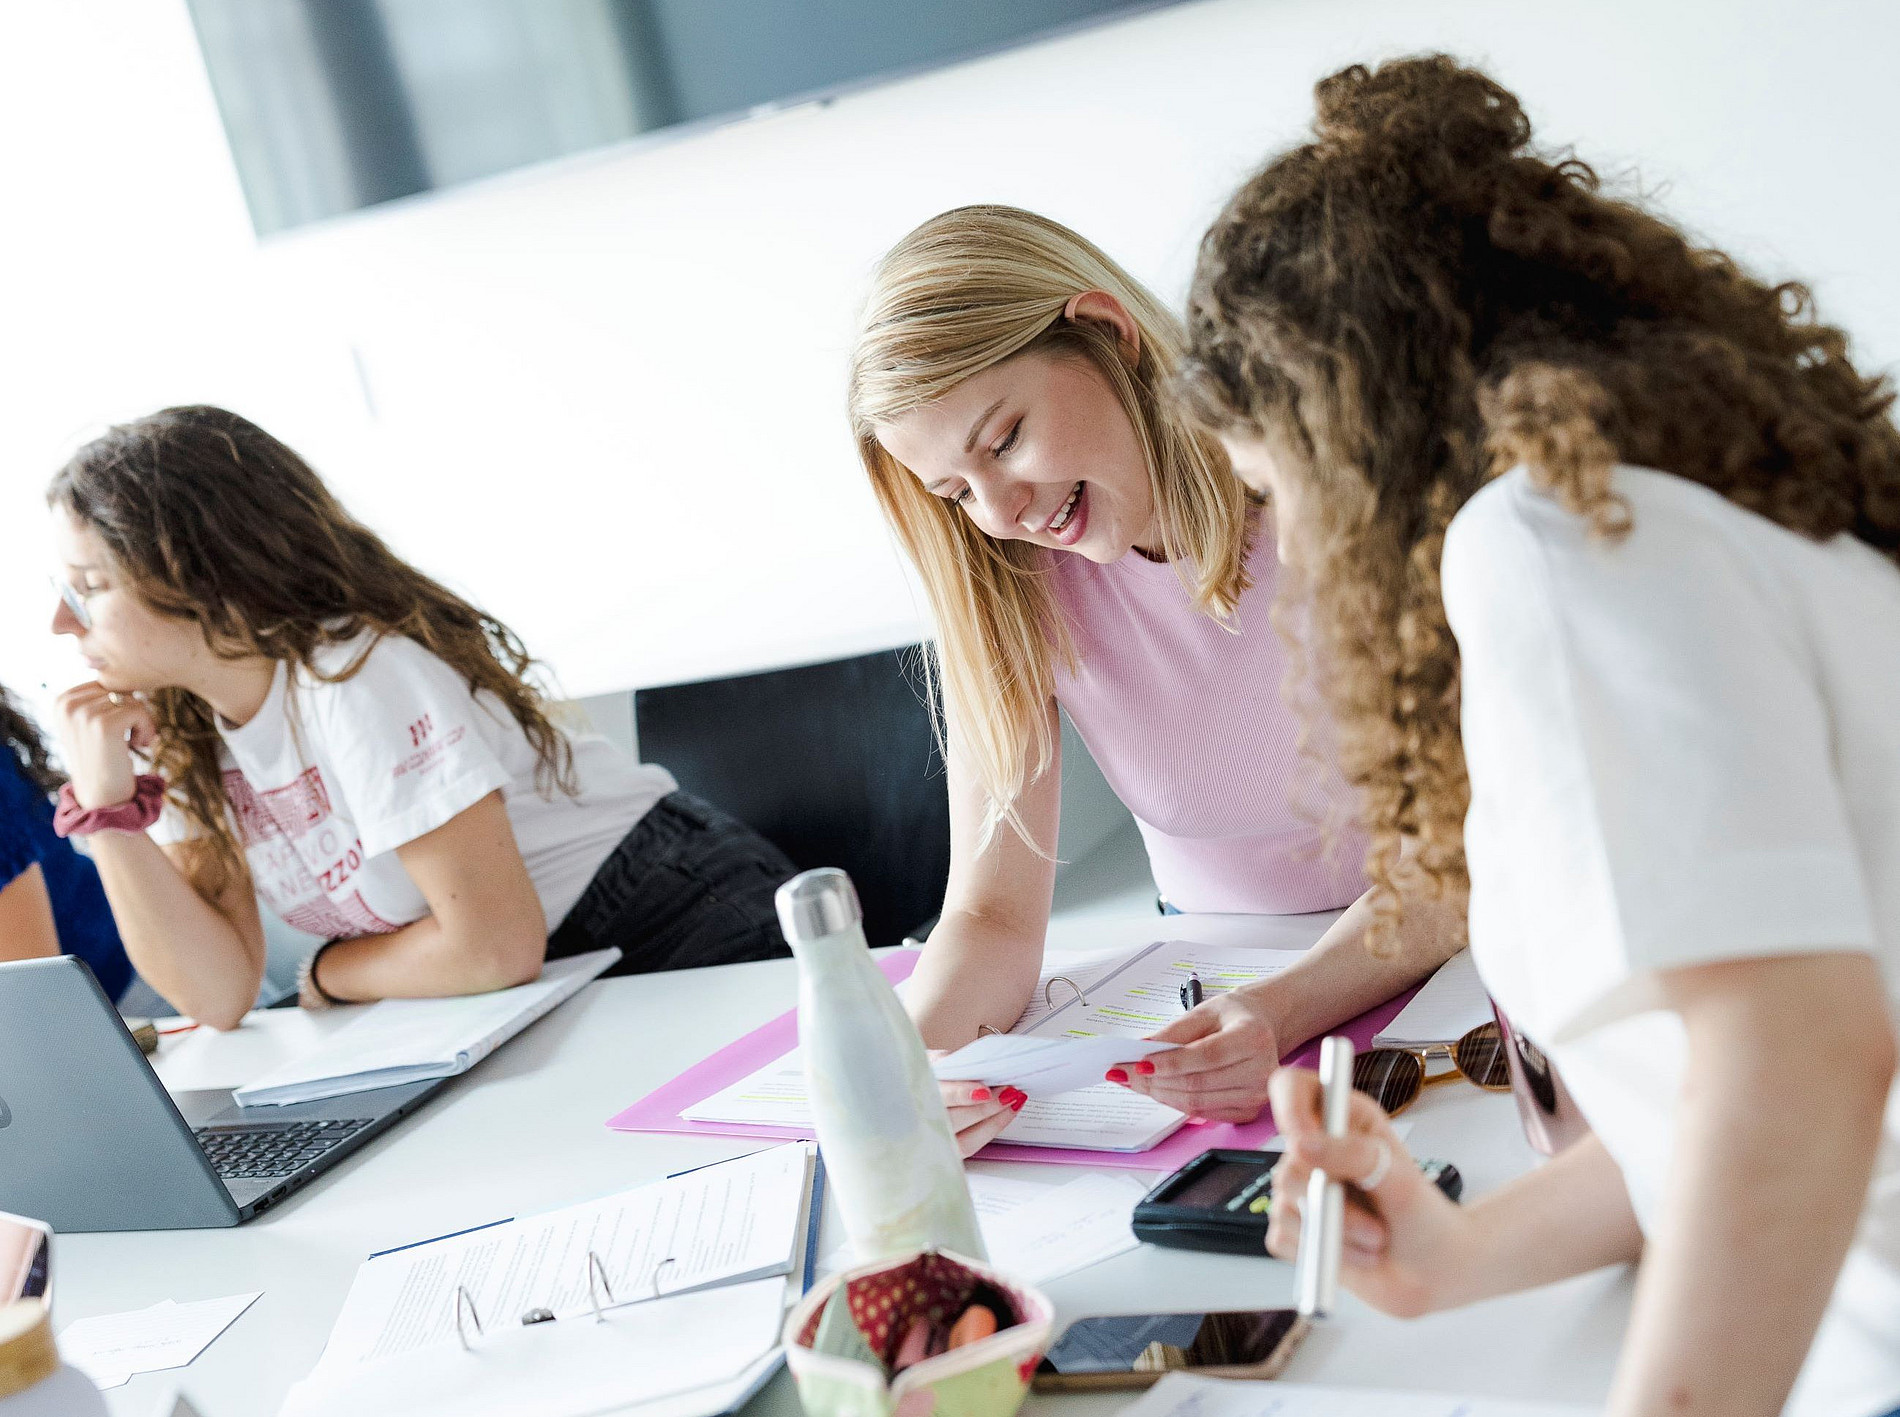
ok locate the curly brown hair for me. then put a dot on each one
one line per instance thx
(21, 736)
(213, 520)
(1417, 301)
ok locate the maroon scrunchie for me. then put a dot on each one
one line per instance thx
(148, 801)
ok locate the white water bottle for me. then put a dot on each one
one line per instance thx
(886, 1139)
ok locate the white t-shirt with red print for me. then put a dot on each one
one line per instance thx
(330, 777)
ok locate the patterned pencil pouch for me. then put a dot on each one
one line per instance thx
(847, 1372)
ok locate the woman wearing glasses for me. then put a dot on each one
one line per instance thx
(50, 898)
(336, 733)
(1082, 546)
(1631, 519)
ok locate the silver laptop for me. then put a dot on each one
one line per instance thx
(91, 1140)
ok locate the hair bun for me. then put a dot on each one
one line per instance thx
(1429, 106)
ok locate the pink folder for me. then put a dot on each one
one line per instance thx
(659, 1110)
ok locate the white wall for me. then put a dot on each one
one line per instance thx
(604, 398)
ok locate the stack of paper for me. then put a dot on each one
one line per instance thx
(1451, 1004)
(410, 1040)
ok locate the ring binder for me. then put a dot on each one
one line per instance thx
(597, 1284)
(1055, 979)
(464, 1299)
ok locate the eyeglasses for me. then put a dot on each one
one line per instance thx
(75, 601)
(1394, 1077)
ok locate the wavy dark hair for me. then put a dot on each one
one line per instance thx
(1418, 300)
(21, 736)
(215, 521)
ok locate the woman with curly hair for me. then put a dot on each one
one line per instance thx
(1596, 542)
(1084, 546)
(50, 898)
(337, 733)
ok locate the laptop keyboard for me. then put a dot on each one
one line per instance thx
(260, 1151)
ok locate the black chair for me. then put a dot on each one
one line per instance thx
(834, 763)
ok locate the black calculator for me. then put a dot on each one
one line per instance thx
(1220, 1201)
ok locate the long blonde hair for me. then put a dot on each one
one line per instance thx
(960, 294)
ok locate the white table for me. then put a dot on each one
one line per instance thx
(524, 1133)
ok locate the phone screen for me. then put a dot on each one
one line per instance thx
(25, 1256)
(1159, 1343)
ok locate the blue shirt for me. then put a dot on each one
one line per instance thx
(80, 912)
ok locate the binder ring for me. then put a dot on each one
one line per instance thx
(1055, 979)
(465, 1300)
(984, 1028)
(657, 1269)
(596, 1282)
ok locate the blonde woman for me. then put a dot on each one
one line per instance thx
(1082, 547)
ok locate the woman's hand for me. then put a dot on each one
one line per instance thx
(1229, 1050)
(1408, 1249)
(977, 1112)
(99, 728)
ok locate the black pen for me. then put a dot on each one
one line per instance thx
(1191, 992)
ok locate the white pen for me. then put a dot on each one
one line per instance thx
(1323, 1216)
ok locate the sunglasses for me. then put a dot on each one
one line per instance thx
(1394, 1077)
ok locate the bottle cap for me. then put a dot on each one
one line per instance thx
(27, 1355)
(818, 903)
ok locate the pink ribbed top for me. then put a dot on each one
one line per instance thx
(1186, 720)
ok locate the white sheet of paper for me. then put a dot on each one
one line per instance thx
(1106, 1117)
(1042, 1067)
(653, 1353)
(721, 1223)
(1184, 1395)
(1068, 1227)
(110, 1348)
(1452, 1003)
(1036, 1232)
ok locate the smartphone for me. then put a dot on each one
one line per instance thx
(26, 1256)
(1135, 1350)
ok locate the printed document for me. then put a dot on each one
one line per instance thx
(720, 1225)
(1090, 1002)
(683, 1356)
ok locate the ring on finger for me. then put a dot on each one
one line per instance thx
(1379, 1168)
(114, 697)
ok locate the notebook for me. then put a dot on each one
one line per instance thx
(411, 1040)
(1128, 997)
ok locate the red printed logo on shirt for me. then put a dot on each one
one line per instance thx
(420, 730)
(273, 825)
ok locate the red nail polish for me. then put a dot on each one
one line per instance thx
(1013, 1097)
(1145, 1068)
(1016, 1102)
(979, 1094)
(1116, 1075)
